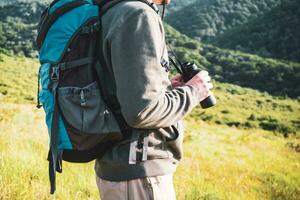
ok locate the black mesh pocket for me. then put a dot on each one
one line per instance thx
(84, 110)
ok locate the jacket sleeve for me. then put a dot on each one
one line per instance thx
(143, 87)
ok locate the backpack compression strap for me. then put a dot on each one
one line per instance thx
(51, 19)
(55, 154)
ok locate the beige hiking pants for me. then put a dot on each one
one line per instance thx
(149, 188)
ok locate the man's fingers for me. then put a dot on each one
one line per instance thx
(202, 82)
(203, 73)
(204, 77)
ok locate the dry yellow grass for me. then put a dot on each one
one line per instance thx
(219, 163)
(228, 163)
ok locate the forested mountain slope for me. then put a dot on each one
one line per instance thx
(205, 21)
(276, 77)
(18, 19)
(275, 34)
(6, 2)
(18, 27)
(271, 75)
(179, 4)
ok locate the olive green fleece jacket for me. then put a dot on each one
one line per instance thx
(134, 48)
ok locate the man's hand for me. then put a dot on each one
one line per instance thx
(201, 82)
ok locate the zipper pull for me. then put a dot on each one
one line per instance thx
(82, 99)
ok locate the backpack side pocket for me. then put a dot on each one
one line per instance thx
(85, 111)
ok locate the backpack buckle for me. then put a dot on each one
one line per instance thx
(55, 73)
(96, 27)
(82, 98)
(90, 29)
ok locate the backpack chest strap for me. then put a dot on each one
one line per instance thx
(75, 63)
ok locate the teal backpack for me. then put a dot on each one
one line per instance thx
(73, 79)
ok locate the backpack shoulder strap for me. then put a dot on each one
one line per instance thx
(105, 74)
(49, 19)
(105, 78)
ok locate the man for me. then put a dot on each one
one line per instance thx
(134, 48)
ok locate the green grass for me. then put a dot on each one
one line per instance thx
(18, 79)
(250, 109)
(23, 164)
(227, 163)
(227, 155)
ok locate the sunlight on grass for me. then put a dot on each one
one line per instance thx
(219, 163)
(23, 147)
(227, 163)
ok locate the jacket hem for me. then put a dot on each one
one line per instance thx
(125, 172)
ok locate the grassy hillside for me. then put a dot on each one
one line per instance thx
(18, 79)
(275, 34)
(256, 110)
(18, 83)
(205, 21)
(220, 163)
(271, 75)
(247, 147)
(227, 154)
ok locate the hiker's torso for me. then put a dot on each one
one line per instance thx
(165, 144)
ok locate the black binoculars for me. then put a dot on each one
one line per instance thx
(189, 70)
